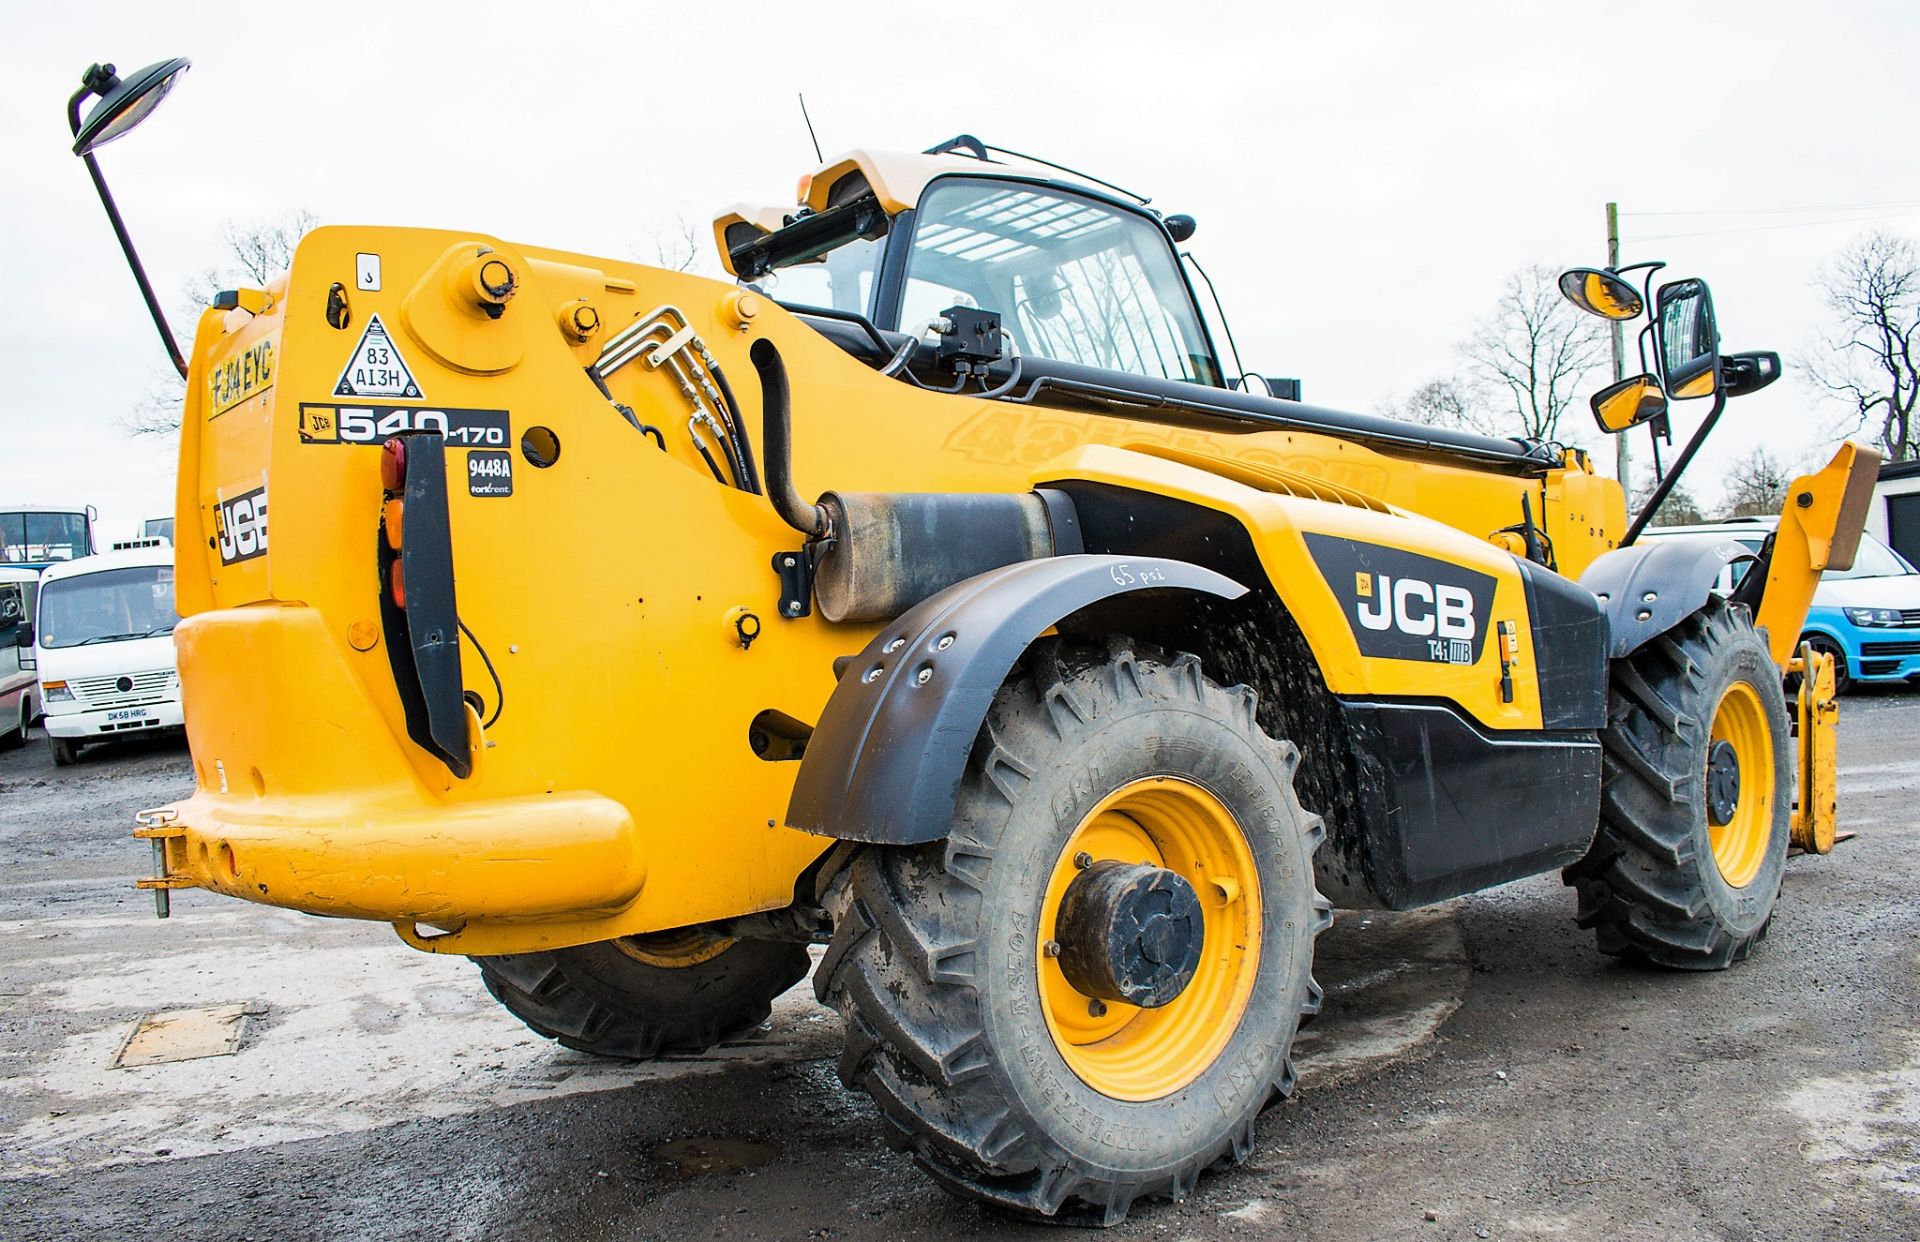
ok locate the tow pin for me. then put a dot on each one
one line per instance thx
(162, 896)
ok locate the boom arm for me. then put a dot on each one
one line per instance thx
(1820, 528)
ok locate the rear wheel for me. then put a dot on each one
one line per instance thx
(640, 996)
(66, 751)
(1695, 809)
(1088, 992)
(16, 737)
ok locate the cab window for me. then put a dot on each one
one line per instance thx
(1076, 280)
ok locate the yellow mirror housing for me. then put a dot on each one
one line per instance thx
(1601, 293)
(1629, 403)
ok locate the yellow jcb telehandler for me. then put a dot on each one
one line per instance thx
(935, 593)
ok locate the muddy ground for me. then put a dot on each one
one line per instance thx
(1481, 1070)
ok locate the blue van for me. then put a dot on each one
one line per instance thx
(1867, 617)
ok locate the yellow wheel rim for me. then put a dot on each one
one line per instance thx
(1124, 1051)
(1740, 844)
(674, 950)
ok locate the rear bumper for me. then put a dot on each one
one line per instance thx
(306, 799)
(507, 860)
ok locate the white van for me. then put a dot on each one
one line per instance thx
(18, 686)
(103, 640)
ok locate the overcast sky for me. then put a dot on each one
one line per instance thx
(1365, 176)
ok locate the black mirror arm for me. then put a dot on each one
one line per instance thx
(1679, 467)
(126, 243)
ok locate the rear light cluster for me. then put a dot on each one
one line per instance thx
(393, 477)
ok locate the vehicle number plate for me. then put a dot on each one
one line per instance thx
(128, 713)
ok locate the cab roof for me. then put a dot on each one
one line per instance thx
(896, 179)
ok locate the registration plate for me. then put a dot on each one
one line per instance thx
(129, 713)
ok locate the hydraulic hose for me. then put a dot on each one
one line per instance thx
(777, 428)
(738, 427)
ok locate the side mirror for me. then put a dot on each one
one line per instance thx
(1180, 227)
(1745, 373)
(124, 102)
(25, 637)
(1689, 339)
(1601, 293)
(1629, 403)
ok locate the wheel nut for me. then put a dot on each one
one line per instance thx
(1096, 1009)
(1083, 860)
(1053, 948)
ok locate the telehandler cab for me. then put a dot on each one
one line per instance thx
(936, 593)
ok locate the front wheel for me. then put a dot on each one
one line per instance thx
(66, 751)
(1696, 800)
(1087, 993)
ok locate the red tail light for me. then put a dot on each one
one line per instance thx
(393, 465)
(397, 583)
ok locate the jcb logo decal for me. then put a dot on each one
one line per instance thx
(1404, 606)
(241, 524)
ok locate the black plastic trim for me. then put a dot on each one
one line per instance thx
(423, 639)
(1446, 808)
(886, 757)
(1649, 588)
(1569, 628)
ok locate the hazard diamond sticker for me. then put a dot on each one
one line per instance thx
(376, 368)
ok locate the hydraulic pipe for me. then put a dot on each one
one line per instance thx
(777, 428)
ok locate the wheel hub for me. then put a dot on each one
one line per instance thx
(1723, 783)
(1130, 932)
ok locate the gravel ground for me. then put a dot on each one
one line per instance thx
(1483, 1072)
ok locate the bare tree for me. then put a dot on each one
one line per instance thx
(676, 245)
(1535, 350)
(1873, 289)
(1756, 486)
(255, 253)
(1678, 509)
(1450, 401)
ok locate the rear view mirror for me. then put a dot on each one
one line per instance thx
(1689, 339)
(1629, 403)
(1601, 293)
(124, 102)
(25, 638)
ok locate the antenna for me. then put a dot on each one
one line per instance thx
(809, 120)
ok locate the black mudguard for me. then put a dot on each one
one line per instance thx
(1648, 588)
(886, 758)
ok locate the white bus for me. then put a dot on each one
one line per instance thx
(36, 536)
(18, 685)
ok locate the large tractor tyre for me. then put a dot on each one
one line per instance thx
(641, 996)
(1695, 802)
(1123, 830)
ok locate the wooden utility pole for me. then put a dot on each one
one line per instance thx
(1622, 463)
